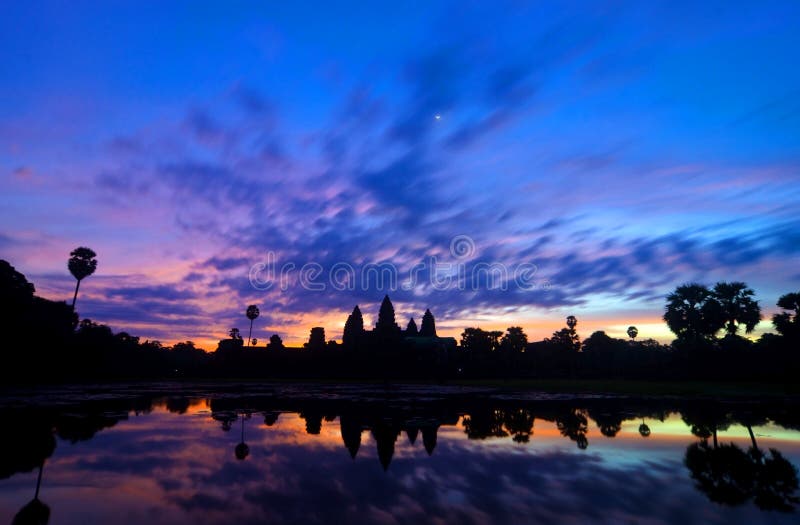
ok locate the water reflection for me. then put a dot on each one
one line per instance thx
(730, 475)
(242, 450)
(168, 459)
(35, 512)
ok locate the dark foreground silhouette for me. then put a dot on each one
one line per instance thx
(46, 342)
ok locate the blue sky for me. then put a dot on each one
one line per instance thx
(623, 148)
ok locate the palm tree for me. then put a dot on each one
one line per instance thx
(234, 333)
(82, 264)
(252, 313)
(693, 312)
(633, 332)
(738, 306)
(572, 322)
(787, 323)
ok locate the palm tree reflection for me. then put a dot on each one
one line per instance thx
(644, 430)
(724, 472)
(776, 479)
(36, 512)
(242, 450)
(573, 424)
(731, 476)
(519, 423)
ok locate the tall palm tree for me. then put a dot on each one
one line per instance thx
(738, 306)
(252, 313)
(82, 264)
(633, 332)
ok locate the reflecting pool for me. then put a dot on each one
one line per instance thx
(353, 454)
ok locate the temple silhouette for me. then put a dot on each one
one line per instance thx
(707, 321)
(388, 335)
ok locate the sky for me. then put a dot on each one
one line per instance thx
(593, 155)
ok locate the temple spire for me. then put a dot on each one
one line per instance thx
(353, 329)
(411, 329)
(386, 314)
(428, 328)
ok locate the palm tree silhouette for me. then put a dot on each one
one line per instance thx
(82, 264)
(252, 313)
(644, 430)
(787, 323)
(633, 332)
(738, 306)
(572, 322)
(693, 313)
(242, 450)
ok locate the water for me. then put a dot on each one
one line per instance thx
(404, 455)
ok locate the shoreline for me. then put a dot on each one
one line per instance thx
(532, 389)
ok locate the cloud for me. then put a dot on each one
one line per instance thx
(251, 101)
(227, 263)
(540, 155)
(23, 172)
(203, 126)
(154, 292)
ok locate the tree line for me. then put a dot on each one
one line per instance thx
(47, 341)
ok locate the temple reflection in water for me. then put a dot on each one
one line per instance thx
(60, 457)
